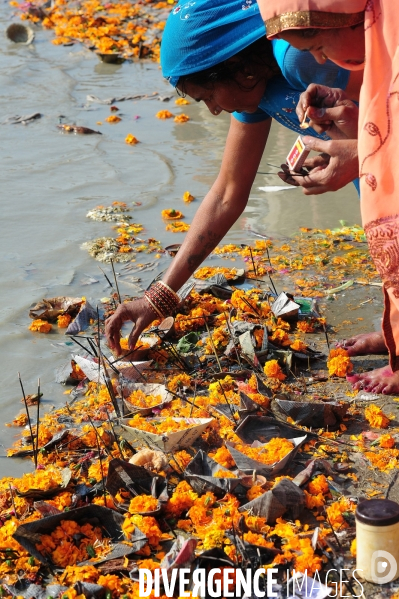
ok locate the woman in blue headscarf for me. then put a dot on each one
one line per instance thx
(216, 51)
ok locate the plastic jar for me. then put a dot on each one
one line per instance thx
(377, 540)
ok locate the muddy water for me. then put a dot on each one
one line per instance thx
(50, 180)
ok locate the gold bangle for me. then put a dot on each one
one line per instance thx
(171, 290)
(154, 307)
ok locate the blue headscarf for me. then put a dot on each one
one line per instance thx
(200, 34)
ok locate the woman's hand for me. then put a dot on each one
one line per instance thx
(138, 312)
(335, 167)
(330, 111)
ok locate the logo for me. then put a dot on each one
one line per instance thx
(383, 567)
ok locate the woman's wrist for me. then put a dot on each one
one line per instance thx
(162, 299)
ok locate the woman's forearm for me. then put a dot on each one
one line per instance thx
(216, 215)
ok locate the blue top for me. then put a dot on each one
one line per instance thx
(299, 69)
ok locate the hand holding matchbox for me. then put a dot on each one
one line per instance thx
(297, 156)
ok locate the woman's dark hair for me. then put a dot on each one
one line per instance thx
(257, 54)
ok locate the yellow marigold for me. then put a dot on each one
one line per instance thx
(164, 114)
(63, 321)
(40, 326)
(339, 363)
(272, 370)
(179, 381)
(187, 197)
(213, 538)
(112, 118)
(177, 227)
(386, 441)
(131, 139)
(172, 214)
(376, 417)
(353, 548)
(181, 118)
(181, 101)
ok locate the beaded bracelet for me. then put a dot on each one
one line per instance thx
(153, 307)
(162, 299)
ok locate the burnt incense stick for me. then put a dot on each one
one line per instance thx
(326, 335)
(253, 262)
(115, 437)
(213, 345)
(29, 420)
(12, 501)
(232, 338)
(37, 421)
(101, 463)
(83, 347)
(116, 282)
(227, 401)
(108, 281)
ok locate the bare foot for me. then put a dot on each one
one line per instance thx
(364, 344)
(381, 380)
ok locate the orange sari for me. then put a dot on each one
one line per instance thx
(378, 131)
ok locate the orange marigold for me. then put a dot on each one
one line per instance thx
(339, 363)
(131, 139)
(164, 114)
(272, 370)
(376, 417)
(63, 321)
(40, 326)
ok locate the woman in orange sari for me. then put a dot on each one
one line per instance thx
(351, 34)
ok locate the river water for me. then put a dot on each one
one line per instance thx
(49, 181)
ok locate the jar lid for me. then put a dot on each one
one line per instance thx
(378, 512)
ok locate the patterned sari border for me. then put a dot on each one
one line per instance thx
(309, 19)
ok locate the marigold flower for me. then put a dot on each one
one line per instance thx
(40, 326)
(270, 453)
(172, 214)
(187, 197)
(299, 345)
(339, 362)
(164, 114)
(113, 118)
(63, 321)
(376, 417)
(131, 139)
(181, 118)
(143, 503)
(178, 227)
(319, 485)
(223, 457)
(272, 370)
(387, 441)
(180, 101)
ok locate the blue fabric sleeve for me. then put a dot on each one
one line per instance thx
(252, 117)
(300, 68)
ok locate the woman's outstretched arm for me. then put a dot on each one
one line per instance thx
(221, 207)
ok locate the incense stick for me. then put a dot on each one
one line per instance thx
(29, 420)
(37, 420)
(116, 282)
